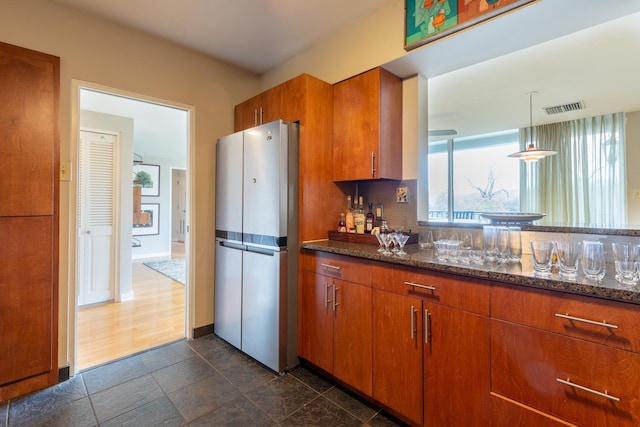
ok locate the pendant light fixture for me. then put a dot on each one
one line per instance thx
(532, 154)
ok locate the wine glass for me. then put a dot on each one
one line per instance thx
(401, 239)
(386, 239)
(380, 241)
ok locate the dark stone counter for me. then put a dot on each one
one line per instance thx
(514, 273)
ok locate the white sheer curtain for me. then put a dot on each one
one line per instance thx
(584, 184)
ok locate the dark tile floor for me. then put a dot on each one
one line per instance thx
(203, 382)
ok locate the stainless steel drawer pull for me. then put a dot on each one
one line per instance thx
(333, 267)
(335, 301)
(426, 326)
(431, 288)
(599, 393)
(326, 294)
(592, 322)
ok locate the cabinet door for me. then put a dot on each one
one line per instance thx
(352, 335)
(367, 127)
(507, 412)
(248, 114)
(315, 308)
(456, 367)
(397, 353)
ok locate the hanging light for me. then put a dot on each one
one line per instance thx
(531, 153)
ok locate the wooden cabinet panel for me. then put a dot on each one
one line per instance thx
(367, 127)
(454, 291)
(29, 93)
(397, 353)
(352, 335)
(456, 367)
(340, 267)
(507, 412)
(526, 364)
(27, 302)
(248, 114)
(616, 323)
(315, 325)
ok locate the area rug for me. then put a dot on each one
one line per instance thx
(172, 268)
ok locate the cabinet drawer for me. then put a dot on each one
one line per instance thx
(454, 291)
(339, 266)
(531, 366)
(506, 412)
(606, 322)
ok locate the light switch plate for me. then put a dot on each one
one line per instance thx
(65, 171)
(636, 193)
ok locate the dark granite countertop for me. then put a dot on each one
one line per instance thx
(514, 273)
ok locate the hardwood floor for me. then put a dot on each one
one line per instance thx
(156, 316)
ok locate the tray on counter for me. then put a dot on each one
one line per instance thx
(366, 239)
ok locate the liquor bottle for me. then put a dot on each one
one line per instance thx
(360, 217)
(342, 224)
(349, 218)
(370, 219)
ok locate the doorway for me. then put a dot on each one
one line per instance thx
(146, 306)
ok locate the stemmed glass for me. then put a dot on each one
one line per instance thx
(401, 239)
(386, 239)
(395, 231)
(380, 241)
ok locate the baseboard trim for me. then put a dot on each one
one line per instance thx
(64, 373)
(202, 331)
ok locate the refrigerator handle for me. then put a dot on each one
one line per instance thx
(233, 245)
(260, 250)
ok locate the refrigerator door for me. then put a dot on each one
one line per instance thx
(265, 185)
(229, 187)
(264, 297)
(228, 292)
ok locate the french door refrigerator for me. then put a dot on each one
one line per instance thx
(256, 242)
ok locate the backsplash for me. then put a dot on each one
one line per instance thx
(395, 213)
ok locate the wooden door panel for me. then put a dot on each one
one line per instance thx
(28, 131)
(27, 297)
(352, 335)
(315, 331)
(397, 353)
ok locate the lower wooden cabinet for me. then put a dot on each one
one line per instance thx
(397, 353)
(335, 328)
(456, 367)
(509, 413)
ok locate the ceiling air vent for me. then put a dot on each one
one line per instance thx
(572, 106)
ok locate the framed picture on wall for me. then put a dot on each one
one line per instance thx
(147, 177)
(148, 223)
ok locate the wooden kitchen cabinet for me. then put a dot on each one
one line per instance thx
(29, 196)
(335, 319)
(397, 353)
(571, 358)
(367, 127)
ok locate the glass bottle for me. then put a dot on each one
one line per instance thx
(360, 217)
(370, 219)
(342, 224)
(349, 218)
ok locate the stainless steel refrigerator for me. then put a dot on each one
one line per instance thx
(256, 242)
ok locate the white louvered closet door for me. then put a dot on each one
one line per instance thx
(96, 212)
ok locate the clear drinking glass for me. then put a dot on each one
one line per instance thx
(515, 244)
(442, 250)
(466, 244)
(401, 239)
(489, 242)
(380, 241)
(625, 259)
(502, 244)
(386, 239)
(542, 256)
(568, 257)
(593, 262)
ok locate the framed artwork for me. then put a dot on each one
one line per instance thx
(150, 225)
(148, 177)
(429, 20)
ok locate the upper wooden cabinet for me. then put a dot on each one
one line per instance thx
(367, 127)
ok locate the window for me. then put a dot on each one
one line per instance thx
(471, 175)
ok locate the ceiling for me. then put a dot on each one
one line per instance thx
(475, 86)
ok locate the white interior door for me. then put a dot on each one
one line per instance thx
(97, 180)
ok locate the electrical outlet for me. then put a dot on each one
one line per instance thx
(636, 193)
(65, 171)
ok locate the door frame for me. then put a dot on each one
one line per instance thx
(76, 86)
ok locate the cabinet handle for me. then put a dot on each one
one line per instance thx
(326, 295)
(255, 117)
(606, 395)
(413, 322)
(373, 164)
(333, 267)
(591, 322)
(430, 288)
(335, 298)
(261, 115)
(427, 334)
